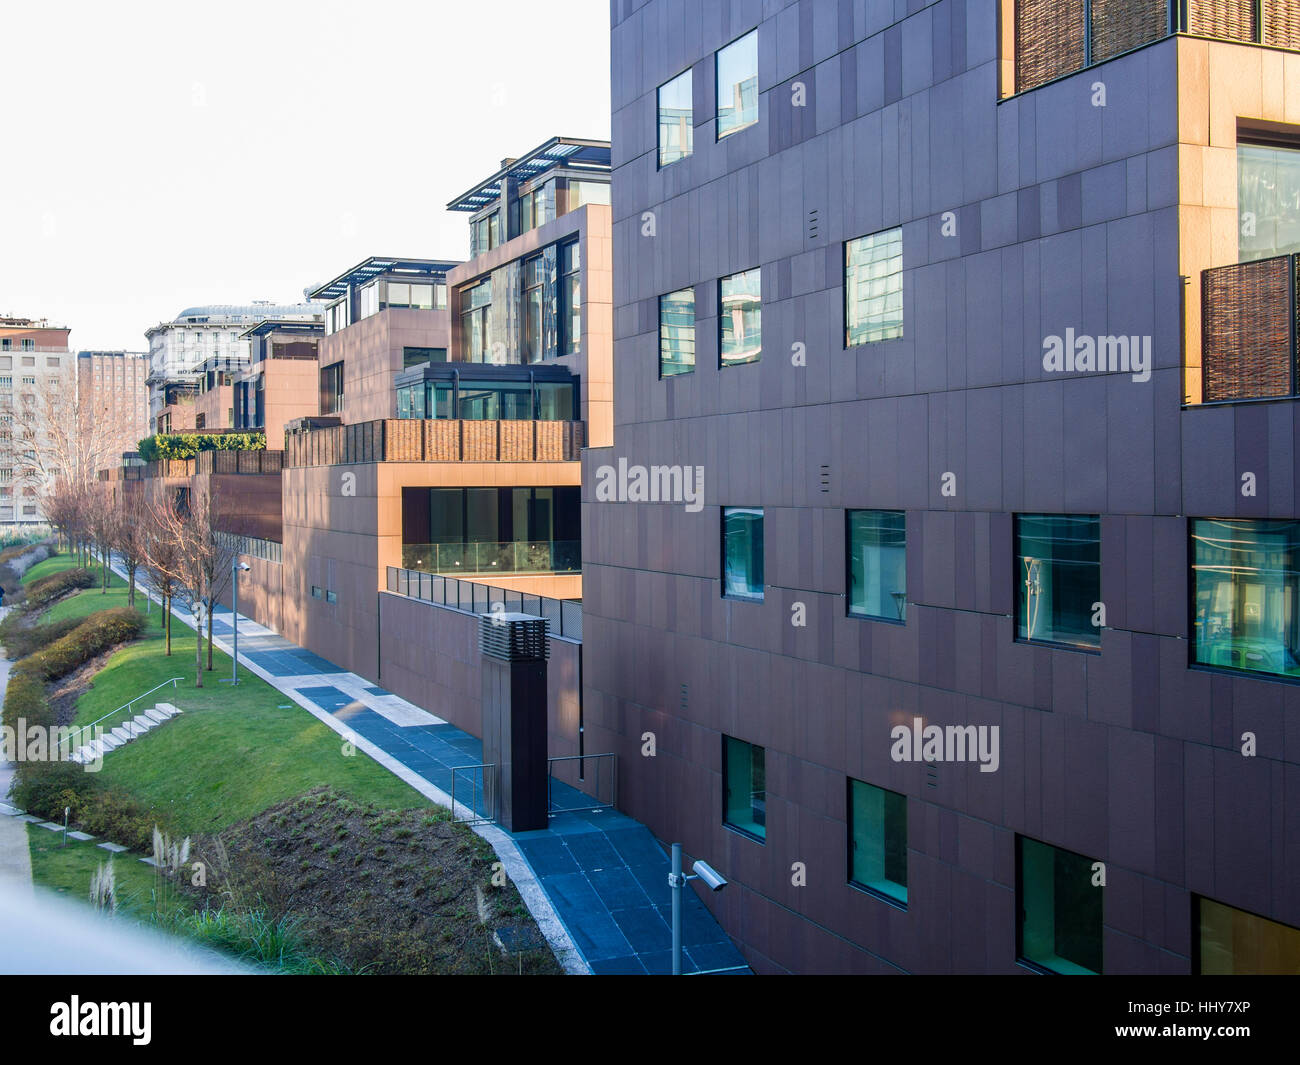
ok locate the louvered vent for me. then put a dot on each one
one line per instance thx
(514, 637)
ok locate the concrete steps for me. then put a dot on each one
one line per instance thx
(124, 733)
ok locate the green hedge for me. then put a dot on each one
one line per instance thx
(20, 640)
(187, 445)
(47, 589)
(47, 788)
(25, 700)
(95, 634)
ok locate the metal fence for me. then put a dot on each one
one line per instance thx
(252, 546)
(564, 615)
(478, 793)
(599, 771)
(516, 556)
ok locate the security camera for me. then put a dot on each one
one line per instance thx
(715, 880)
(245, 566)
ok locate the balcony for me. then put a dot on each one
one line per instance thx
(487, 559)
(440, 440)
(1055, 38)
(1249, 330)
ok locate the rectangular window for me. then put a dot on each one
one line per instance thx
(582, 193)
(744, 787)
(331, 388)
(1060, 909)
(736, 68)
(419, 356)
(532, 287)
(1268, 195)
(1058, 577)
(740, 318)
(28, 345)
(1245, 584)
(742, 552)
(316, 592)
(873, 288)
(370, 299)
(336, 317)
(1232, 942)
(570, 298)
(878, 840)
(476, 332)
(877, 549)
(331, 597)
(677, 332)
(676, 120)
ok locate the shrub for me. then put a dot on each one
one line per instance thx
(187, 445)
(25, 700)
(22, 640)
(48, 788)
(93, 636)
(47, 589)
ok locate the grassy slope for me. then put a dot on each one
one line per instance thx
(68, 870)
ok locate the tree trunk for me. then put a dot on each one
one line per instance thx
(104, 557)
(130, 585)
(209, 637)
(198, 653)
(167, 620)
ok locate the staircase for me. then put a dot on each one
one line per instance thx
(124, 733)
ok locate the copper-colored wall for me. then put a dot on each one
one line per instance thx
(292, 390)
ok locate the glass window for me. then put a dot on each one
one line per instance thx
(737, 85)
(677, 332)
(1058, 561)
(475, 323)
(1232, 942)
(742, 552)
(878, 840)
(331, 388)
(1060, 909)
(417, 356)
(584, 192)
(532, 287)
(740, 317)
(555, 402)
(404, 402)
(873, 288)
(1245, 580)
(877, 547)
(370, 299)
(570, 299)
(422, 297)
(744, 786)
(1268, 201)
(399, 294)
(676, 128)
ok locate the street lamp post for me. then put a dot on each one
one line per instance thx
(699, 871)
(236, 567)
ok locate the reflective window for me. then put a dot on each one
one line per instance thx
(677, 332)
(1245, 583)
(676, 130)
(1058, 559)
(336, 317)
(584, 192)
(877, 548)
(1060, 909)
(418, 356)
(1232, 942)
(740, 317)
(475, 321)
(873, 288)
(1268, 201)
(737, 85)
(878, 840)
(370, 299)
(533, 275)
(490, 400)
(570, 298)
(485, 233)
(742, 552)
(331, 388)
(555, 402)
(744, 786)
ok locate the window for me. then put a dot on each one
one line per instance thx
(873, 288)
(336, 316)
(1268, 201)
(744, 787)
(537, 207)
(1060, 909)
(1058, 566)
(1232, 942)
(52, 362)
(476, 331)
(418, 356)
(370, 300)
(570, 298)
(740, 318)
(676, 131)
(488, 401)
(1245, 583)
(582, 193)
(29, 345)
(331, 597)
(878, 840)
(877, 549)
(736, 69)
(6, 382)
(7, 344)
(485, 233)
(331, 388)
(677, 332)
(742, 552)
(415, 297)
(532, 291)
(316, 592)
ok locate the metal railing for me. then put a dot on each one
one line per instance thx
(1250, 330)
(482, 802)
(252, 546)
(610, 775)
(82, 730)
(519, 556)
(564, 615)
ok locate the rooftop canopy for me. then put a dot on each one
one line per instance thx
(285, 325)
(368, 269)
(558, 151)
(249, 311)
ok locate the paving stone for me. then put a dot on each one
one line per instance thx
(84, 837)
(115, 848)
(51, 826)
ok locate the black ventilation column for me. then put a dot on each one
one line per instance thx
(515, 648)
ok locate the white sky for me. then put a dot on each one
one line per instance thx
(154, 156)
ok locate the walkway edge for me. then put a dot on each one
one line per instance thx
(512, 860)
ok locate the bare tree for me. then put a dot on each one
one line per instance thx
(130, 541)
(187, 529)
(161, 557)
(102, 520)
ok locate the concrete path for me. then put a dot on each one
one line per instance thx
(595, 881)
(15, 856)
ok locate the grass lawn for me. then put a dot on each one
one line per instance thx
(57, 564)
(68, 870)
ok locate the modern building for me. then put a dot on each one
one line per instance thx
(111, 386)
(282, 380)
(205, 335)
(979, 652)
(37, 414)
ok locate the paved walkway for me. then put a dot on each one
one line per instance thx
(15, 855)
(595, 881)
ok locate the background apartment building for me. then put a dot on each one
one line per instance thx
(37, 404)
(203, 343)
(111, 385)
(852, 244)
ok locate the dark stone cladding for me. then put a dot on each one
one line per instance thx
(1066, 216)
